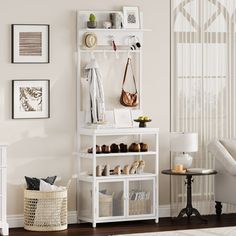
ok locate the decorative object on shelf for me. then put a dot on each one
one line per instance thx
(131, 17)
(117, 170)
(142, 121)
(107, 25)
(96, 105)
(181, 143)
(134, 167)
(106, 149)
(143, 147)
(106, 171)
(126, 169)
(114, 148)
(92, 23)
(134, 147)
(98, 170)
(122, 118)
(116, 20)
(123, 147)
(30, 99)
(98, 149)
(30, 43)
(90, 40)
(129, 99)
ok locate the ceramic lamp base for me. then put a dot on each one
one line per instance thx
(183, 159)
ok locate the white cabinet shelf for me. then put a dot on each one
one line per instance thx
(88, 178)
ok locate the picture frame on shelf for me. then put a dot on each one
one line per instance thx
(30, 43)
(122, 118)
(30, 99)
(131, 18)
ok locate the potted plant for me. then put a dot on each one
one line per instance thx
(92, 23)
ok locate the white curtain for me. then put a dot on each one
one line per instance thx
(203, 85)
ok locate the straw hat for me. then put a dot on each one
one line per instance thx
(90, 40)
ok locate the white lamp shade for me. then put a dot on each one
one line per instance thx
(183, 142)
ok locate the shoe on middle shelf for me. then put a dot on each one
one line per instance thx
(134, 147)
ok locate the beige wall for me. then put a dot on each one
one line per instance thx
(44, 147)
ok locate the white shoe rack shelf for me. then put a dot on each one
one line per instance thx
(116, 197)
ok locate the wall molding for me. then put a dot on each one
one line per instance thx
(17, 221)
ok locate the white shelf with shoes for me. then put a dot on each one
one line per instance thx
(115, 197)
(118, 187)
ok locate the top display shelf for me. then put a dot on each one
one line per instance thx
(83, 30)
(117, 20)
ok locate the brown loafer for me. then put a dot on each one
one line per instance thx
(106, 149)
(134, 147)
(123, 147)
(143, 147)
(114, 148)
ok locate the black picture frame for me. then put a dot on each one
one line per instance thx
(23, 52)
(32, 105)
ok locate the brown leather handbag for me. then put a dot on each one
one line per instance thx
(129, 99)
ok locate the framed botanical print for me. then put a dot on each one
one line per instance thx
(30, 99)
(131, 17)
(30, 43)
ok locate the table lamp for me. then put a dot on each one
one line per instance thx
(182, 143)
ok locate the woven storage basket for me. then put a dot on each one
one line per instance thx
(139, 207)
(105, 205)
(45, 211)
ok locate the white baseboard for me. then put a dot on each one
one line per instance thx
(164, 211)
(17, 221)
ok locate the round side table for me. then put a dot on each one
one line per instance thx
(189, 210)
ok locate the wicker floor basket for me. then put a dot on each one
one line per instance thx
(45, 211)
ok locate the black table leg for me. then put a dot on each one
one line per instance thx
(189, 210)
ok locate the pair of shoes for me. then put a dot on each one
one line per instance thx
(126, 170)
(123, 147)
(117, 170)
(134, 147)
(106, 149)
(143, 147)
(137, 167)
(102, 172)
(134, 167)
(98, 149)
(115, 148)
(138, 147)
(141, 166)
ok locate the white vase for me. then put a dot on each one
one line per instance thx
(183, 159)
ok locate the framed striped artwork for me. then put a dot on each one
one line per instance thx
(30, 43)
